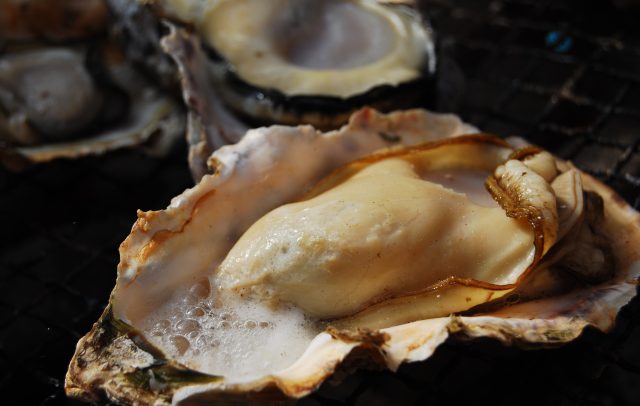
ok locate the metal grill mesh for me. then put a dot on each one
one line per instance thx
(564, 74)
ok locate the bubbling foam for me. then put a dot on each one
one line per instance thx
(222, 333)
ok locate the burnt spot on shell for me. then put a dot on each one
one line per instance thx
(367, 336)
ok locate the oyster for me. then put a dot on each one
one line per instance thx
(68, 90)
(377, 239)
(265, 54)
(297, 61)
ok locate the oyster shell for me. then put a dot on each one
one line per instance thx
(291, 62)
(194, 315)
(68, 90)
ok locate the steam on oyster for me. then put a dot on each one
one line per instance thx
(304, 247)
(67, 90)
(296, 62)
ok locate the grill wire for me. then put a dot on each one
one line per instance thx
(564, 74)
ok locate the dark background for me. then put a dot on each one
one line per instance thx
(564, 74)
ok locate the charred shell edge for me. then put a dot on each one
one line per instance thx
(323, 112)
(140, 375)
(148, 378)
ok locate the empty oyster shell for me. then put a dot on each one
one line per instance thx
(67, 90)
(305, 247)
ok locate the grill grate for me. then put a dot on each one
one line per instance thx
(564, 74)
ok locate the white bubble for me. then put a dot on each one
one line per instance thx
(180, 343)
(202, 289)
(196, 312)
(191, 300)
(163, 324)
(202, 341)
(187, 326)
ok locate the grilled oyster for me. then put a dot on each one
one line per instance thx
(267, 57)
(68, 90)
(294, 62)
(305, 247)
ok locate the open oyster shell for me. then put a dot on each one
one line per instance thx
(578, 264)
(299, 61)
(68, 90)
(260, 62)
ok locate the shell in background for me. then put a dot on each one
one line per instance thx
(68, 91)
(242, 65)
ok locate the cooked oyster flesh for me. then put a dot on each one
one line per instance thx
(51, 89)
(325, 34)
(384, 231)
(280, 50)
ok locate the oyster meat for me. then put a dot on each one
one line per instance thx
(68, 90)
(263, 53)
(379, 238)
